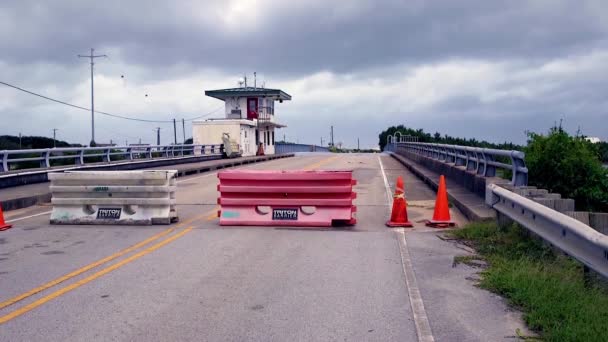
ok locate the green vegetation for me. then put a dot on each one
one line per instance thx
(548, 287)
(603, 151)
(9, 142)
(568, 165)
(422, 136)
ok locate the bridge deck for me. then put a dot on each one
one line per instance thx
(257, 284)
(27, 195)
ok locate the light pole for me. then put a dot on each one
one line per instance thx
(92, 58)
(54, 137)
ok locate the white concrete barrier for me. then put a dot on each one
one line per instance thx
(113, 197)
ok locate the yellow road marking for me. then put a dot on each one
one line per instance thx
(90, 278)
(83, 269)
(320, 163)
(92, 265)
(94, 276)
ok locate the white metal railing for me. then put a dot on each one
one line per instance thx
(80, 155)
(482, 161)
(562, 231)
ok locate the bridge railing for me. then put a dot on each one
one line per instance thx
(82, 155)
(482, 161)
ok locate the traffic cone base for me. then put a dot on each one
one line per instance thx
(396, 224)
(3, 224)
(399, 211)
(441, 215)
(440, 224)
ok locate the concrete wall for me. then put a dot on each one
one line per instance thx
(291, 148)
(210, 132)
(266, 134)
(236, 103)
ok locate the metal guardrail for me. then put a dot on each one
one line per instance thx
(79, 155)
(480, 160)
(569, 235)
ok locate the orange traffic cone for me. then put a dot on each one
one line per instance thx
(441, 216)
(399, 212)
(3, 225)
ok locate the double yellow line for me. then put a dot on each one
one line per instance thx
(41, 301)
(16, 313)
(321, 163)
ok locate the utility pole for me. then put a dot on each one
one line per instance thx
(358, 144)
(174, 131)
(92, 57)
(20, 141)
(54, 136)
(184, 129)
(321, 141)
(157, 136)
(332, 135)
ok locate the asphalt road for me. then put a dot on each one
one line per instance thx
(195, 281)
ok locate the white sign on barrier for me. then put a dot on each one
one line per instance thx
(113, 197)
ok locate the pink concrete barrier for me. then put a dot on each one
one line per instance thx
(286, 198)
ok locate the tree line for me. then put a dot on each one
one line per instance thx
(423, 136)
(558, 161)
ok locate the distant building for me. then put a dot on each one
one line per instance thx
(249, 118)
(593, 140)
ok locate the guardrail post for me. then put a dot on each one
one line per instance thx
(450, 155)
(107, 158)
(79, 158)
(520, 172)
(149, 152)
(490, 170)
(471, 163)
(459, 161)
(444, 154)
(4, 166)
(166, 149)
(481, 163)
(45, 161)
(130, 153)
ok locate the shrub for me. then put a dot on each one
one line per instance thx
(568, 165)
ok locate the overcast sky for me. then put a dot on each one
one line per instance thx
(478, 68)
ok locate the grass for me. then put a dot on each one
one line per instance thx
(547, 286)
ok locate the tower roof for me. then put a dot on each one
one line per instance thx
(222, 94)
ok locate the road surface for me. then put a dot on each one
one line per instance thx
(195, 281)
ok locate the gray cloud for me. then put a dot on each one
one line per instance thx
(487, 69)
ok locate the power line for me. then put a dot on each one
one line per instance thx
(103, 113)
(80, 107)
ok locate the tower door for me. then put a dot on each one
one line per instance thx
(252, 108)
